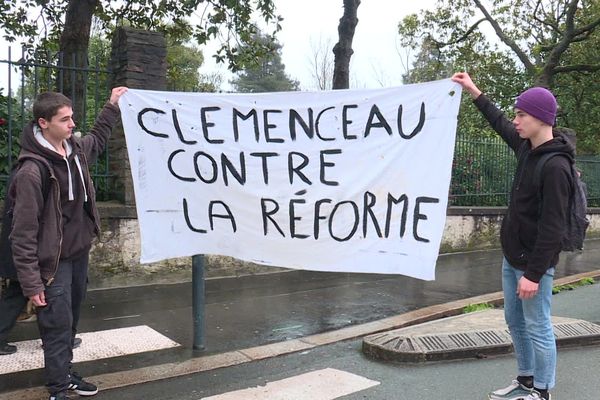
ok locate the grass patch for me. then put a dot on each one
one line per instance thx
(572, 286)
(477, 307)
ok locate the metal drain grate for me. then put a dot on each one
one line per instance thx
(464, 340)
(577, 329)
(395, 345)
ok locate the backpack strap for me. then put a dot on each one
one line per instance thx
(44, 175)
(537, 174)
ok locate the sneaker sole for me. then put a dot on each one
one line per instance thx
(85, 392)
(82, 392)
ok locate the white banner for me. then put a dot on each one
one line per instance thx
(348, 180)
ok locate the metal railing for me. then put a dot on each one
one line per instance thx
(483, 170)
(590, 175)
(23, 78)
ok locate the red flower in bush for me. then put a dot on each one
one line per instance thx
(2, 121)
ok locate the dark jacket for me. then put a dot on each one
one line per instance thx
(45, 232)
(531, 233)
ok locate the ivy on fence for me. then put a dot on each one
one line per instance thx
(9, 141)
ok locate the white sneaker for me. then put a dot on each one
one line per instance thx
(535, 395)
(514, 391)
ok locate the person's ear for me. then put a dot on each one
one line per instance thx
(42, 123)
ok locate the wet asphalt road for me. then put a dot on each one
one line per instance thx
(250, 311)
(577, 370)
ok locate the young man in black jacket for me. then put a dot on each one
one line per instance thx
(531, 233)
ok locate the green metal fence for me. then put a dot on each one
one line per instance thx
(482, 172)
(590, 175)
(483, 169)
(24, 77)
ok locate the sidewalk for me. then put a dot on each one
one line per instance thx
(253, 318)
(481, 334)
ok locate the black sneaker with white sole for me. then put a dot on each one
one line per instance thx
(81, 387)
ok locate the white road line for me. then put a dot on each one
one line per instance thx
(324, 384)
(123, 317)
(94, 346)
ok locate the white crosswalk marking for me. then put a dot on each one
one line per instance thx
(95, 346)
(324, 384)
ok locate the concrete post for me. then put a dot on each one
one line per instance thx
(138, 61)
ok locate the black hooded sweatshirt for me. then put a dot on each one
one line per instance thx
(531, 232)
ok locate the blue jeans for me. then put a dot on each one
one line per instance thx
(530, 325)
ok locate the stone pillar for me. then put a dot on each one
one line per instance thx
(138, 61)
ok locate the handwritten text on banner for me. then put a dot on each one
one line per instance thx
(349, 180)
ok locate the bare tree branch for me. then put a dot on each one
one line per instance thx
(577, 68)
(546, 22)
(581, 38)
(545, 79)
(588, 28)
(570, 20)
(321, 63)
(505, 39)
(460, 39)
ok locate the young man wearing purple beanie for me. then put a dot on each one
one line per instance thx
(531, 240)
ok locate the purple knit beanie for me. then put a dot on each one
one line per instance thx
(539, 103)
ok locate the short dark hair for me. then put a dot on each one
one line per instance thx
(47, 105)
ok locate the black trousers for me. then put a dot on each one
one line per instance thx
(57, 321)
(11, 304)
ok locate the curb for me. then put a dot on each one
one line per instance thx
(449, 345)
(207, 363)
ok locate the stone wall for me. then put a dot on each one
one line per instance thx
(115, 255)
(114, 259)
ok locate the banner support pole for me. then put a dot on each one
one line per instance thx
(198, 301)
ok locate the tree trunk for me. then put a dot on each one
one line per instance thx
(545, 79)
(74, 42)
(343, 49)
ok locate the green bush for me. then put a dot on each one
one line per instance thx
(10, 127)
(477, 307)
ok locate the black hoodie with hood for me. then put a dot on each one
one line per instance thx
(531, 233)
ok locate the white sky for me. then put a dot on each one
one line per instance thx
(377, 59)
